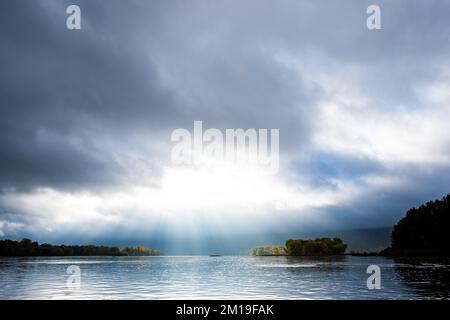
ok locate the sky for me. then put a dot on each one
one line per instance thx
(87, 117)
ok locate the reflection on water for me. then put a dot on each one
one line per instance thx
(342, 277)
(424, 277)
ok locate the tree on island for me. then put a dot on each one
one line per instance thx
(423, 231)
(268, 251)
(299, 247)
(319, 246)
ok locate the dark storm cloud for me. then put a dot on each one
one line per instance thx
(62, 93)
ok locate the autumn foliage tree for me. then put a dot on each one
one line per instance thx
(319, 246)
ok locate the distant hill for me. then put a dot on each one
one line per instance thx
(360, 240)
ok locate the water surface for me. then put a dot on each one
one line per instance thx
(227, 277)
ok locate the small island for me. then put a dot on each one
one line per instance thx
(300, 247)
(28, 248)
(268, 251)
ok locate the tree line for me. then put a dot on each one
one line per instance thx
(423, 231)
(28, 248)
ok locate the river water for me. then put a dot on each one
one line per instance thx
(224, 277)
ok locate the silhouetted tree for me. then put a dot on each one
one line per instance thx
(423, 231)
(28, 248)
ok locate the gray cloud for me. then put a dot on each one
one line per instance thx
(63, 94)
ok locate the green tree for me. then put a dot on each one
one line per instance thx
(319, 246)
